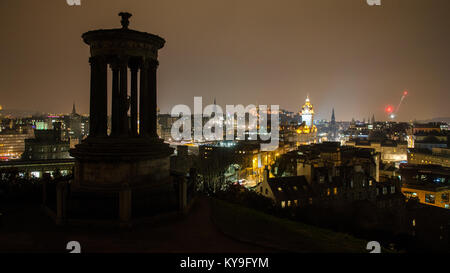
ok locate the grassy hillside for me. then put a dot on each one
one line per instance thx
(253, 226)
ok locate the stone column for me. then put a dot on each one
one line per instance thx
(98, 102)
(152, 115)
(143, 101)
(182, 194)
(115, 109)
(103, 98)
(123, 94)
(134, 99)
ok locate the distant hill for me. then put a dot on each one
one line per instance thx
(444, 119)
(21, 113)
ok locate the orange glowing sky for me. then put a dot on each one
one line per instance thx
(344, 54)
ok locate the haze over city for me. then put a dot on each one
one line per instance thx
(344, 54)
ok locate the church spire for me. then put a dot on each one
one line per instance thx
(73, 109)
(333, 118)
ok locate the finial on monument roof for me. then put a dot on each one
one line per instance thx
(125, 19)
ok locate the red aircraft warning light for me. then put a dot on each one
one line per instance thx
(405, 93)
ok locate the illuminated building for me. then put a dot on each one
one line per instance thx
(306, 132)
(410, 141)
(41, 125)
(430, 140)
(437, 156)
(357, 130)
(333, 155)
(308, 114)
(293, 191)
(37, 168)
(47, 144)
(429, 184)
(391, 151)
(12, 143)
(248, 160)
(426, 127)
(331, 176)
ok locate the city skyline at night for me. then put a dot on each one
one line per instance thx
(244, 132)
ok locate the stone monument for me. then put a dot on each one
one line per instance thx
(123, 172)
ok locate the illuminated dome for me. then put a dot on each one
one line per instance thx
(307, 108)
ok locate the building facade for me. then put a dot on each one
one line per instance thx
(428, 184)
(12, 143)
(437, 156)
(390, 151)
(47, 144)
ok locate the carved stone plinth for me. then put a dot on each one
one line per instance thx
(108, 164)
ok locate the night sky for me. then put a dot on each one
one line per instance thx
(343, 53)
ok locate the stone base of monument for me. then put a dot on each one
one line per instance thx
(123, 207)
(130, 184)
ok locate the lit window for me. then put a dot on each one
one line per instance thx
(280, 189)
(445, 197)
(392, 189)
(283, 204)
(414, 222)
(335, 190)
(429, 198)
(36, 174)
